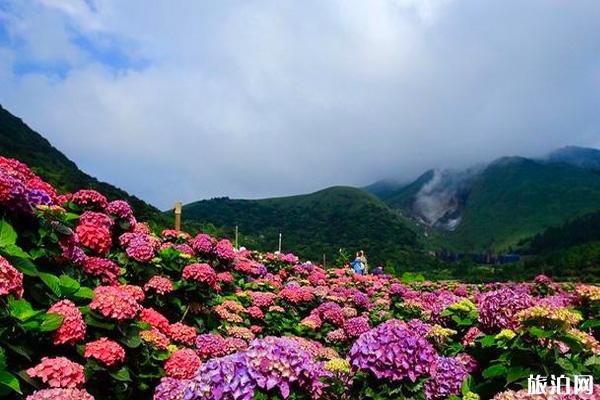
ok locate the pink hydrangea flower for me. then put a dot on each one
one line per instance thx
(117, 302)
(72, 329)
(182, 333)
(202, 273)
(106, 351)
(160, 284)
(60, 394)
(59, 372)
(182, 364)
(107, 269)
(89, 198)
(11, 280)
(96, 218)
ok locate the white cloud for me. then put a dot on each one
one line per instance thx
(270, 97)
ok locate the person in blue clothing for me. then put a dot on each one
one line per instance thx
(359, 263)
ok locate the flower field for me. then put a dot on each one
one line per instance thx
(94, 304)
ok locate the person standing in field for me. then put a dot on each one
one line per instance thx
(363, 261)
(357, 265)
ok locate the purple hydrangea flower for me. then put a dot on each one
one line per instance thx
(393, 351)
(498, 308)
(447, 376)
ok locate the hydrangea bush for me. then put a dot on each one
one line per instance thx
(96, 304)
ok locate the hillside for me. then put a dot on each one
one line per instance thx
(316, 224)
(515, 198)
(19, 141)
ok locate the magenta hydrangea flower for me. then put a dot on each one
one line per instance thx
(204, 244)
(354, 327)
(140, 248)
(393, 351)
(224, 250)
(498, 309)
(120, 209)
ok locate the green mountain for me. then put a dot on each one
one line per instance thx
(317, 224)
(516, 198)
(512, 199)
(19, 141)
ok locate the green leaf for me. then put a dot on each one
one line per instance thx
(84, 293)
(516, 373)
(51, 322)
(91, 321)
(68, 285)
(539, 332)
(2, 358)
(494, 371)
(121, 375)
(13, 250)
(21, 309)
(566, 364)
(8, 379)
(593, 360)
(592, 323)
(8, 235)
(20, 350)
(25, 266)
(52, 281)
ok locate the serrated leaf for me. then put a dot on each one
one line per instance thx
(51, 322)
(21, 309)
(11, 381)
(13, 250)
(494, 371)
(121, 375)
(84, 293)
(25, 266)
(68, 285)
(8, 235)
(52, 281)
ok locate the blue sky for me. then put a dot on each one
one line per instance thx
(194, 99)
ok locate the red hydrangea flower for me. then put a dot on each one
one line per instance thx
(94, 237)
(72, 329)
(182, 333)
(106, 351)
(107, 269)
(182, 364)
(155, 319)
(115, 302)
(159, 284)
(202, 273)
(296, 294)
(89, 198)
(11, 280)
(58, 372)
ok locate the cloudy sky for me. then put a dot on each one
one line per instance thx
(194, 99)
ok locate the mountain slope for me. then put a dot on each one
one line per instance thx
(315, 224)
(581, 157)
(515, 198)
(19, 141)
